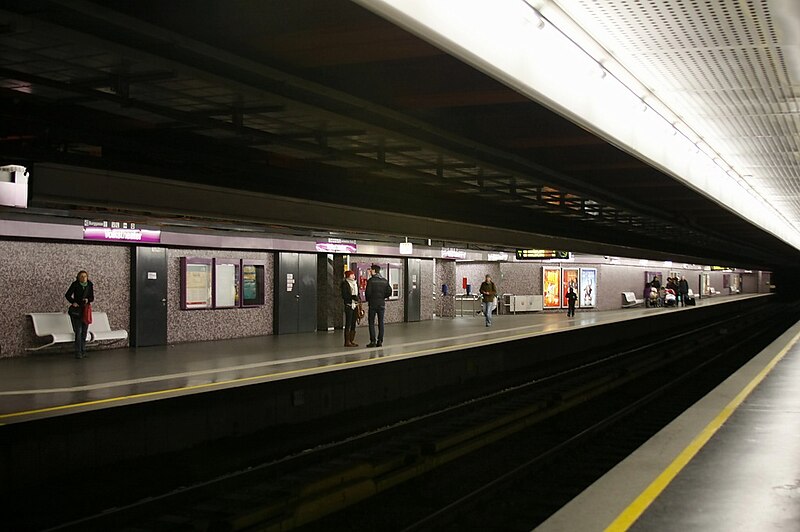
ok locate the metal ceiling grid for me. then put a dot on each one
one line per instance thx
(294, 129)
(719, 65)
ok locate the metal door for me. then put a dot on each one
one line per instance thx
(149, 296)
(413, 290)
(296, 293)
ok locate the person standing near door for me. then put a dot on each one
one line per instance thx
(489, 292)
(350, 299)
(79, 294)
(378, 290)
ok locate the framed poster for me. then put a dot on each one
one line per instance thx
(569, 279)
(226, 283)
(551, 287)
(196, 275)
(649, 276)
(394, 280)
(252, 283)
(587, 297)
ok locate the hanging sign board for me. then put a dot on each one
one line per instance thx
(541, 254)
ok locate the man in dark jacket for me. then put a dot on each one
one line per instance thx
(683, 290)
(378, 290)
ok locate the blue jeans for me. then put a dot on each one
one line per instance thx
(371, 313)
(80, 329)
(488, 308)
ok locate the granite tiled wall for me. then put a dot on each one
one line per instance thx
(427, 286)
(445, 274)
(196, 325)
(520, 278)
(35, 276)
(475, 272)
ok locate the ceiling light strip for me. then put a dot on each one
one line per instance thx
(506, 39)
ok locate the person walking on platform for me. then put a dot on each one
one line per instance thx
(350, 298)
(378, 290)
(489, 292)
(572, 297)
(80, 294)
(683, 290)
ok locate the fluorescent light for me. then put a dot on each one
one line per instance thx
(501, 38)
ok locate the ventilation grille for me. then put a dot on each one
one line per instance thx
(719, 65)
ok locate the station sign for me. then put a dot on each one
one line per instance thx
(113, 231)
(453, 253)
(541, 254)
(336, 245)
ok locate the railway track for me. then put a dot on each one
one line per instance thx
(538, 440)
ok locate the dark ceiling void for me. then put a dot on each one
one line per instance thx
(324, 101)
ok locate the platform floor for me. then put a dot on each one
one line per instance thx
(729, 463)
(50, 384)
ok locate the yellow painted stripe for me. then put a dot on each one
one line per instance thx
(629, 516)
(319, 369)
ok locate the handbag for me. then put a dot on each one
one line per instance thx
(87, 313)
(359, 310)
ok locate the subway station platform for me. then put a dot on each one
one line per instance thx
(46, 385)
(729, 463)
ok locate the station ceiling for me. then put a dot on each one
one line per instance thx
(326, 102)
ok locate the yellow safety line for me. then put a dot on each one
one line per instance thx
(227, 382)
(629, 516)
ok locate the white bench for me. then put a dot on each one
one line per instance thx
(58, 326)
(55, 324)
(629, 300)
(712, 291)
(100, 329)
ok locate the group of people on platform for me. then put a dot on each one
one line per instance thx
(672, 294)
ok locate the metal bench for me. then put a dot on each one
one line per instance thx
(57, 325)
(100, 329)
(629, 300)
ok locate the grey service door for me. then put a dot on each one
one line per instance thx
(295, 293)
(149, 296)
(413, 290)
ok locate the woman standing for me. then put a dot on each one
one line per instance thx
(350, 299)
(80, 294)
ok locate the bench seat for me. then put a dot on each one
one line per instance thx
(100, 329)
(58, 326)
(629, 300)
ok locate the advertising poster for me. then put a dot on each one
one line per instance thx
(198, 285)
(249, 282)
(569, 279)
(587, 297)
(649, 276)
(551, 289)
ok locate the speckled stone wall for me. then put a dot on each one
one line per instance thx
(197, 325)
(335, 304)
(475, 272)
(37, 274)
(445, 274)
(520, 278)
(427, 302)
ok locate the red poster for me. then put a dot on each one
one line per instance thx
(569, 279)
(551, 289)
